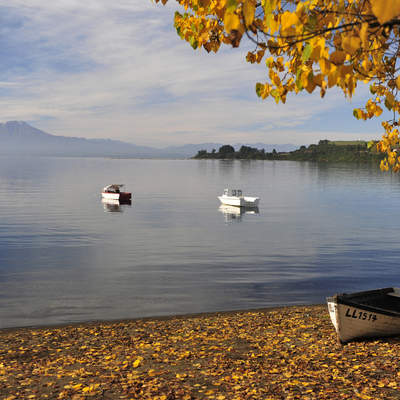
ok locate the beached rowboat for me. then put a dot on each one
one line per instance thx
(373, 313)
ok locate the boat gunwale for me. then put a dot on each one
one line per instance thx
(347, 299)
(367, 292)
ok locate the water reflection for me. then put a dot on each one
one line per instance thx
(227, 168)
(64, 260)
(232, 213)
(111, 205)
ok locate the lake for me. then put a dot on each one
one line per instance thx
(67, 257)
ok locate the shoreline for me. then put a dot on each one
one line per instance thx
(274, 353)
(150, 318)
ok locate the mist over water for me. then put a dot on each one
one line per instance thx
(65, 256)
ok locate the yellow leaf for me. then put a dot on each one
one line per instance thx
(364, 34)
(366, 64)
(337, 57)
(231, 22)
(273, 25)
(357, 113)
(310, 86)
(332, 78)
(136, 363)
(318, 80)
(351, 44)
(378, 111)
(398, 82)
(249, 8)
(289, 19)
(269, 61)
(389, 100)
(77, 386)
(274, 371)
(299, 9)
(325, 66)
(385, 10)
(304, 79)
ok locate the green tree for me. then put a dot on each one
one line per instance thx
(226, 151)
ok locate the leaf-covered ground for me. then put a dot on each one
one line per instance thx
(286, 353)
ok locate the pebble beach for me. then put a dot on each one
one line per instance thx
(279, 353)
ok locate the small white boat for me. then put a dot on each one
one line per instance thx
(113, 192)
(373, 313)
(234, 197)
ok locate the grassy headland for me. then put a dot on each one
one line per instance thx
(324, 151)
(283, 353)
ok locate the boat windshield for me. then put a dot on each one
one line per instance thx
(233, 192)
(112, 188)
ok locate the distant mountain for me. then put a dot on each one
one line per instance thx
(18, 137)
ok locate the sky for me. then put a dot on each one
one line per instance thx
(117, 69)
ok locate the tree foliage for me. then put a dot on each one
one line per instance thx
(325, 151)
(226, 150)
(311, 45)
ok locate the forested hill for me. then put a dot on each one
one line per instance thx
(325, 150)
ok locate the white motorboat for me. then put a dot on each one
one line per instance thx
(113, 192)
(234, 197)
(373, 313)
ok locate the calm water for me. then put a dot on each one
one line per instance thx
(65, 256)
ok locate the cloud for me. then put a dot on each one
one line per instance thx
(117, 69)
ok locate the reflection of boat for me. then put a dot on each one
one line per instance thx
(113, 192)
(111, 205)
(235, 213)
(234, 197)
(372, 313)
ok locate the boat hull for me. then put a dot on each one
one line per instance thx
(353, 321)
(122, 196)
(239, 201)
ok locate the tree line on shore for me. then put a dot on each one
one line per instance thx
(325, 150)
